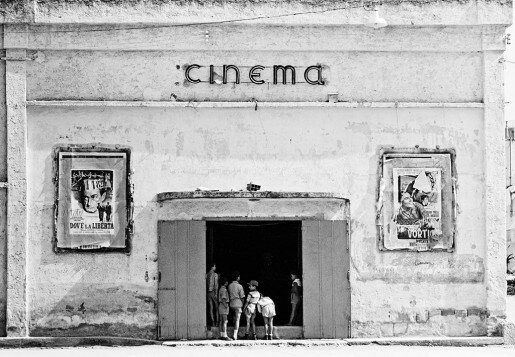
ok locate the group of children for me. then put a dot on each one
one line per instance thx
(232, 297)
(223, 297)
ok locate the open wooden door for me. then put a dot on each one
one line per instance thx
(182, 284)
(325, 261)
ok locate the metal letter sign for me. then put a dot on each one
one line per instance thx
(276, 74)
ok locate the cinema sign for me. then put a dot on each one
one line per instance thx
(277, 74)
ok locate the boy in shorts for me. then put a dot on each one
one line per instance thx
(236, 296)
(250, 308)
(266, 307)
(223, 308)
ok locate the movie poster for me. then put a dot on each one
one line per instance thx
(92, 200)
(417, 207)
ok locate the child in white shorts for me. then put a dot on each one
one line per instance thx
(250, 308)
(266, 307)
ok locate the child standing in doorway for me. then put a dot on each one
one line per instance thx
(250, 309)
(266, 307)
(295, 297)
(212, 291)
(236, 296)
(223, 308)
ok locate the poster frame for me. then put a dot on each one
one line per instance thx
(91, 149)
(413, 153)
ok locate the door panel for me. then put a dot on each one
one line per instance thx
(327, 279)
(182, 298)
(181, 279)
(197, 281)
(341, 287)
(311, 280)
(166, 311)
(326, 300)
(166, 285)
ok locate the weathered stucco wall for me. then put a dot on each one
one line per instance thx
(283, 149)
(100, 75)
(3, 196)
(440, 56)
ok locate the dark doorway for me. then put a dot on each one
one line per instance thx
(266, 251)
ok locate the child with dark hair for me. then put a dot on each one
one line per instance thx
(212, 291)
(295, 297)
(250, 309)
(223, 308)
(236, 298)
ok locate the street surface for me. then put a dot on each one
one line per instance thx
(264, 351)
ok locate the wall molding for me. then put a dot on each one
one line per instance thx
(254, 105)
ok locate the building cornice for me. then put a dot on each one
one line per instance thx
(327, 12)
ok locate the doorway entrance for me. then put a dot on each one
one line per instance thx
(320, 252)
(266, 251)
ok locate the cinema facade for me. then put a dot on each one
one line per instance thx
(131, 131)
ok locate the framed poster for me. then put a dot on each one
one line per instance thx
(416, 209)
(94, 201)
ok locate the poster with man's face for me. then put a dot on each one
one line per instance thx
(92, 205)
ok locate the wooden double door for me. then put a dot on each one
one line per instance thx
(182, 269)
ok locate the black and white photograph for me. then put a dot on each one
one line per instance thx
(257, 177)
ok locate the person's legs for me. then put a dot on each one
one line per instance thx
(266, 322)
(295, 320)
(293, 312)
(253, 323)
(237, 315)
(271, 326)
(223, 325)
(211, 308)
(247, 326)
(215, 304)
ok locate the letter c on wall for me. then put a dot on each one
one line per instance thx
(187, 73)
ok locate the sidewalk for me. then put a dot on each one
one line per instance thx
(404, 341)
(49, 342)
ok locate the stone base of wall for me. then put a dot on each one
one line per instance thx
(445, 322)
(108, 330)
(509, 333)
(97, 310)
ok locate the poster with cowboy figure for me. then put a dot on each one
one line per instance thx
(417, 213)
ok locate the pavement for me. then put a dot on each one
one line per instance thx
(400, 341)
(62, 342)
(265, 350)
